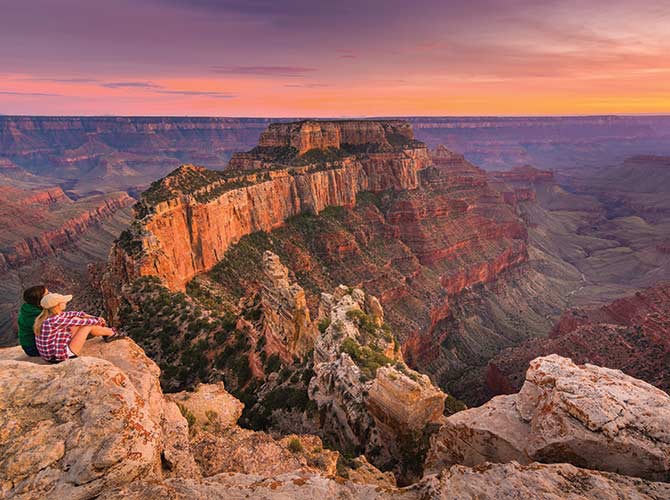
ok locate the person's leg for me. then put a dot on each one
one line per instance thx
(81, 333)
(31, 351)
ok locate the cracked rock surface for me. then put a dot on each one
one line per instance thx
(585, 415)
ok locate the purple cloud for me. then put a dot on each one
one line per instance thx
(205, 93)
(29, 94)
(131, 85)
(290, 71)
(59, 80)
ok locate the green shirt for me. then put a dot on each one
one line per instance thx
(27, 315)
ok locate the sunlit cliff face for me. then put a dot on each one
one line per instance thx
(300, 58)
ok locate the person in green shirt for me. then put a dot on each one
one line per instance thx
(27, 315)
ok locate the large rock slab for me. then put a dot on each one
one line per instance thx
(487, 482)
(72, 430)
(585, 415)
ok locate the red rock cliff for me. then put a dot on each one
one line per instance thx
(631, 334)
(199, 214)
(307, 135)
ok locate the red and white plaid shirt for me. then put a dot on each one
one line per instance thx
(55, 334)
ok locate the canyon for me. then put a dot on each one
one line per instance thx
(326, 313)
(51, 238)
(120, 153)
(465, 263)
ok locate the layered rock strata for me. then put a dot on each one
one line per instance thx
(187, 222)
(631, 334)
(63, 222)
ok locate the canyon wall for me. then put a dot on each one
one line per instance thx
(49, 242)
(415, 230)
(189, 232)
(630, 334)
(307, 135)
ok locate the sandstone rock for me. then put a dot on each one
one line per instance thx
(81, 429)
(585, 415)
(209, 405)
(306, 135)
(287, 326)
(244, 451)
(72, 430)
(368, 399)
(538, 481)
(404, 400)
(363, 472)
(177, 458)
(494, 432)
(487, 482)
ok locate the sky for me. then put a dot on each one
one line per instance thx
(289, 58)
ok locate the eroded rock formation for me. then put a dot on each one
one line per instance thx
(64, 222)
(188, 220)
(367, 397)
(585, 415)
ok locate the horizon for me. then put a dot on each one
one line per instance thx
(338, 118)
(256, 58)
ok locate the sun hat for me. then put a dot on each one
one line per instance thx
(53, 299)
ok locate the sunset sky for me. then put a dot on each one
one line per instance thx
(334, 58)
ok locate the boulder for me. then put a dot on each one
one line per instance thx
(585, 415)
(209, 405)
(72, 430)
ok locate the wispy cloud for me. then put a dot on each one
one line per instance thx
(155, 88)
(58, 80)
(290, 71)
(346, 54)
(131, 85)
(307, 85)
(29, 94)
(203, 93)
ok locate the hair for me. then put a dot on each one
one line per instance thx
(37, 326)
(34, 294)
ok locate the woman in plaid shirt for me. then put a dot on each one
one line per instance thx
(61, 334)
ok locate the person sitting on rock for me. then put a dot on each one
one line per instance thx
(28, 312)
(61, 334)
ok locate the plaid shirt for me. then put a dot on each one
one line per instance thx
(55, 334)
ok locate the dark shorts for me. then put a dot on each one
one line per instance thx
(31, 351)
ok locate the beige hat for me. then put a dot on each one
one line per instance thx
(53, 299)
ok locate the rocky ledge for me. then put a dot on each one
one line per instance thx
(585, 415)
(100, 427)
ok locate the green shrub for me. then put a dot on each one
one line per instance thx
(324, 324)
(186, 413)
(273, 363)
(295, 446)
(368, 360)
